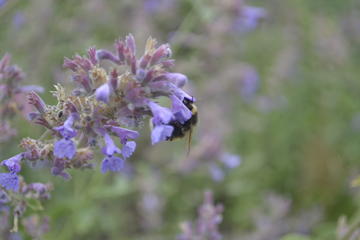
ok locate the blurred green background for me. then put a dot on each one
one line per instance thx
(284, 96)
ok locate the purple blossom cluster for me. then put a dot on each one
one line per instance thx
(207, 224)
(12, 95)
(114, 93)
(18, 196)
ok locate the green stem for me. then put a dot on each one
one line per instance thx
(44, 135)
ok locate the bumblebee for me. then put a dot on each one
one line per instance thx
(180, 129)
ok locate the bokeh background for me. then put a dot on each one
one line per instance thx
(278, 90)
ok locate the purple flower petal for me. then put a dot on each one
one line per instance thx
(65, 148)
(2, 3)
(230, 160)
(249, 18)
(40, 188)
(181, 112)
(103, 54)
(112, 163)
(10, 181)
(110, 147)
(249, 83)
(29, 88)
(123, 133)
(35, 100)
(181, 94)
(58, 169)
(4, 198)
(66, 130)
(13, 163)
(217, 173)
(161, 115)
(128, 149)
(161, 133)
(103, 93)
(177, 79)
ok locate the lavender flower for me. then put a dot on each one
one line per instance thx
(64, 148)
(156, 6)
(2, 3)
(36, 226)
(216, 172)
(112, 163)
(4, 197)
(21, 197)
(249, 83)
(128, 149)
(180, 111)
(66, 129)
(161, 115)
(248, 18)
(230, 160)
(104, 103)
(38, 190)
(10, 181)
(110, 147)
(123, 133)
(58, 168)
(161, 133)
(11, 95)
(177, 79)
(18, 20)
(206, 226)
(103, 93)
(13, 163)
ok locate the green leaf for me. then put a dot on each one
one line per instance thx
(34, 204)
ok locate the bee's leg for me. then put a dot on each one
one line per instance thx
(189, 142)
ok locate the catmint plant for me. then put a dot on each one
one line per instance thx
(207, 223)
(113, 94)
(12, 95)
